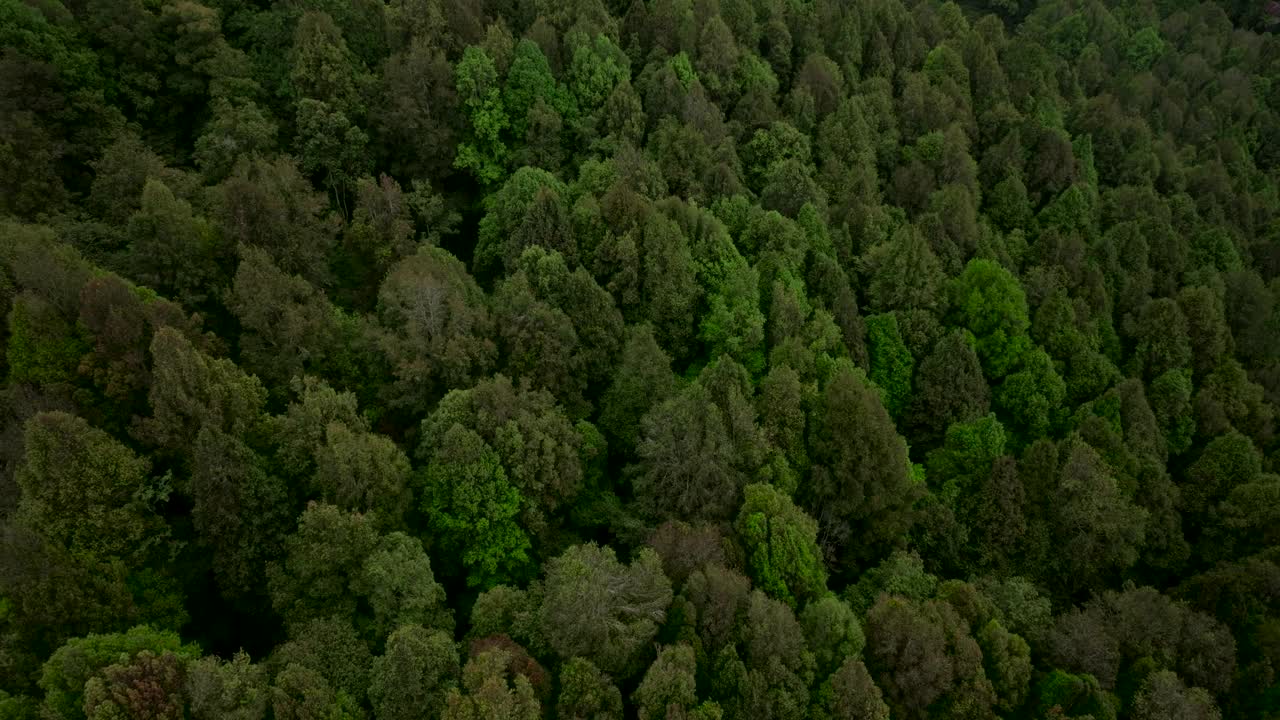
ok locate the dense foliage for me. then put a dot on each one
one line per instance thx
(657, 359)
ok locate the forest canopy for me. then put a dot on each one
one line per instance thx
(639, 359)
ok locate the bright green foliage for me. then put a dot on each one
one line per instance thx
(1145, 47)
(833, 633)
(597, 67)
(484, 153)
(1030, 396)
(539, 450)
(528, 80)
(891, 362)
(988, 301)
(781, 544)
(733, 323)
(473, 509)
(966, 456)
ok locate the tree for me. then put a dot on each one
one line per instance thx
(191, 391)
(904, 273)
(949, 386)
(850, 694)
(781, 544)
(1164, 696)
(643, 379)
(473, 508)
(234, 130)
(539, 450)
(270, 205)
(891, 362)
(925, 658)
(300, 692)
(833, 633)
(988, 301)
(527, 210)
(331, 146)
(437, 328)
(241, 510)
(1161, 337)
(1030, 396)
(861, 490)
(601, 610)
(171, 249)
(483, 153)
(323, 68)
(415, 674)
(397, 585)
(236, 690)
(558, 328)
(670, 290)
(363, 472)
(586, 693)
(149, 686)
(1099, 529)
(668, 685)
(418, 124)
(489, 689)
(83, 491)
(597, 66)
(316, 575)
(288, 327)
(66, 675)
(528, 80)
(1006, 658)
(698, 449)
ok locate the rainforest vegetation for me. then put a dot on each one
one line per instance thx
(639, 360)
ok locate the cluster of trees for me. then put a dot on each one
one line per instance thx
(662, 359)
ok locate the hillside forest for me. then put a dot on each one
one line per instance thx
(639, 360)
